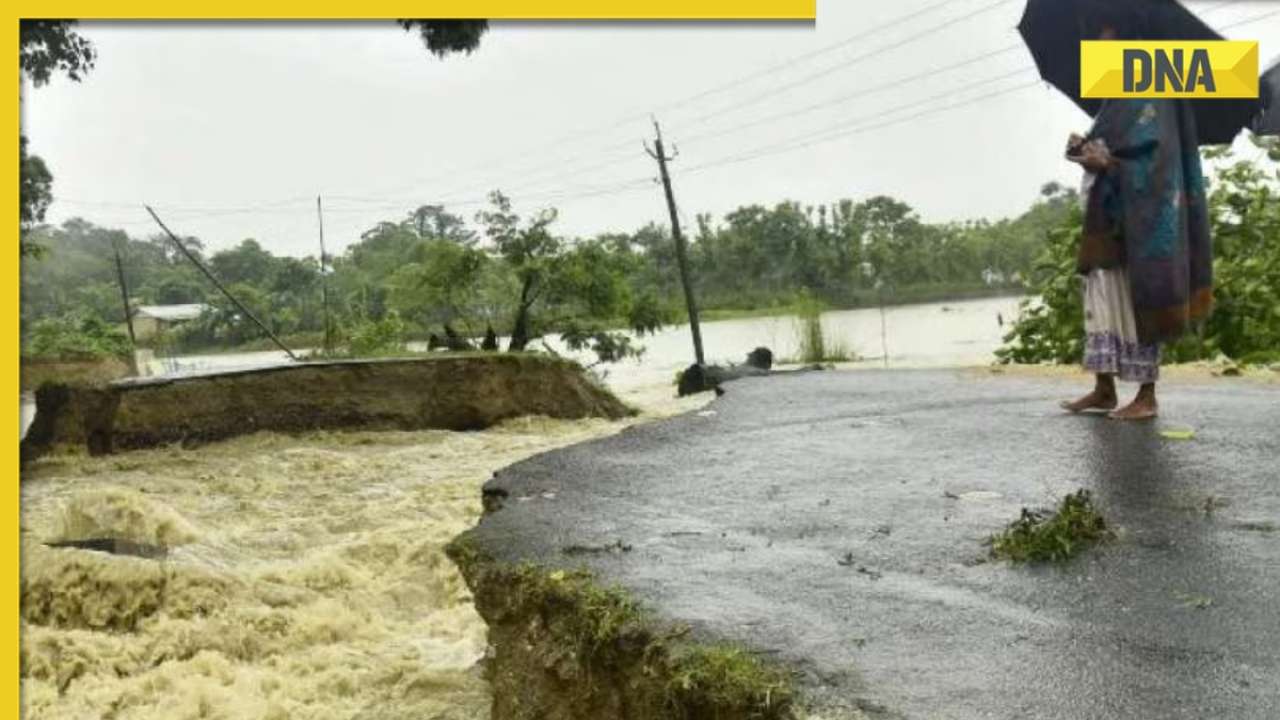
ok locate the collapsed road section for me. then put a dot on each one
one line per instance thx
(450, 392)
(817, 542)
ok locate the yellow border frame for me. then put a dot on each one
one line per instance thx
(9, 309)
(491, 9)
(791, 10)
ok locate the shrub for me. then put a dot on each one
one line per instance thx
(75, 338)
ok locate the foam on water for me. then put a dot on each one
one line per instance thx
(306, 576)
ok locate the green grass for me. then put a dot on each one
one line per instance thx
(610, 637)
(728, 679)
(1058, 536)
(812, 343)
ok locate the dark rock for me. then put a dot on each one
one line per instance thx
(704, 378)
(761, 358)
(454, 341)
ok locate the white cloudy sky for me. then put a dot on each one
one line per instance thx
(232, 129)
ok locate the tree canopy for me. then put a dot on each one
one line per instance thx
(442, 37)
(49, 47)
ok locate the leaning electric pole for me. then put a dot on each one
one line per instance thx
(324, 283)
(682, 258)
(124, 294)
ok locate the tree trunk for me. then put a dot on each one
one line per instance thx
(520, 328)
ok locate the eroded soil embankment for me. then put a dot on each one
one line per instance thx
(467, 392)
(563, 647)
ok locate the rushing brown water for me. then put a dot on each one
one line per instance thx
(306, 577)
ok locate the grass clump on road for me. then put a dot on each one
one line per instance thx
(727, 680)
(1057, 536)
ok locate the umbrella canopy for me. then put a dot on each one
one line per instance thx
(1053, 29)
(1268, 122)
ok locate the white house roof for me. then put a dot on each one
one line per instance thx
(171, 312)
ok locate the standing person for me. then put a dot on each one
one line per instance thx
(1145, 253)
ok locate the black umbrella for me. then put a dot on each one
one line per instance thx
(1053, 30)
(1268, 122)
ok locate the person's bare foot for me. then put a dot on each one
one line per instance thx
(1139, 409)
(1143, 407)
(1100, 399)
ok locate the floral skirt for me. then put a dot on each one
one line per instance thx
(1111, 335)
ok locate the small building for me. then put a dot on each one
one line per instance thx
(152, 320)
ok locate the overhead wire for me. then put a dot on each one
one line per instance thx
(750, 77)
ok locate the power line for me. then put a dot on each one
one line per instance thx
(1250, 20)
(770, 94)
(795, 60)
(622, 156)
(857, 95)
(837, 132)
(737, 82)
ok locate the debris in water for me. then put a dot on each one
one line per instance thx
(114, 546)
(1178, 434)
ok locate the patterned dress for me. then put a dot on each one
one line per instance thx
(1145, 252)
(1111, 345)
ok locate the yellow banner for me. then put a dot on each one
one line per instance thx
(1169, 69)
(441, 9)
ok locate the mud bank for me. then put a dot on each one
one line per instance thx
(564, 647)
(35, 372)
(467, 392)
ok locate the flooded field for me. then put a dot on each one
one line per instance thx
(305, 577)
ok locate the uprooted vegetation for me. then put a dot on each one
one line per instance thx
(1040, 536)
(567, 647)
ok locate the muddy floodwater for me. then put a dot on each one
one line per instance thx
(305, 576)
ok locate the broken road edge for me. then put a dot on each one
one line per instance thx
(563, 646)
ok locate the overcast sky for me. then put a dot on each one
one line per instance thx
(232, 129)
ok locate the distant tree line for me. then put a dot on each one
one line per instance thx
(435, 273)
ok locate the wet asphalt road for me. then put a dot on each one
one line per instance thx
(836, 521)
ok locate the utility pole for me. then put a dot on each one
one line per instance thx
(128, 311)
(324, 282)
(682, 259)
(207, 273)
(124, 294)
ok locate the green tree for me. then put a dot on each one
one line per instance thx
(35, 194)
(1244, 211)
(246, 263)
(45, 47)
(530, 251)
